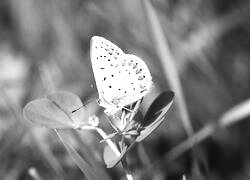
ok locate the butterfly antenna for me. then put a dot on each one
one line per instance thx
(90, 100)
(77, 109)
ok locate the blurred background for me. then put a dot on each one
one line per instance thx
(44, 47)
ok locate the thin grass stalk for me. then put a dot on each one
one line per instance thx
(86, 152)
(168, 64)
(86, 168)
(126, 169)
(15, 109)
(237, 113)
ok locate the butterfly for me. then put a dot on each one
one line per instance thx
(121, 79)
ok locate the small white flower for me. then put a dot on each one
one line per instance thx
(93, 120)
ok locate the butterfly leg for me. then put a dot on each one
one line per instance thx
(127, 109)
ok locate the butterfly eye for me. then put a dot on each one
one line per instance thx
(98, 101)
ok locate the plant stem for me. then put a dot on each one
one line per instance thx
(168, 64)
(110, 143)
(129, 176)
(126, 169)
(105, 137)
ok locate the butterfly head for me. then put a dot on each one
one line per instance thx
(110, 109)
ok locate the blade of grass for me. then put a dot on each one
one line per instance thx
(235, 114)
(15, 109)
(168, 64)
(169, 68)
(44, 148)
(143, 155)
(86, 168)
(88, 154)
(126, 169)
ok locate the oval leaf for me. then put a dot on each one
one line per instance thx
(55, 111)
(45, 113)
(69, 102)
(155, 114)
(110, 158)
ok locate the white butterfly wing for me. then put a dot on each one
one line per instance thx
(136, 80)
(105, 59)
(121, 79)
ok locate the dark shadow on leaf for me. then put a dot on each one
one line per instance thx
(155, 114)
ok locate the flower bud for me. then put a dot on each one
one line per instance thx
(93, 120)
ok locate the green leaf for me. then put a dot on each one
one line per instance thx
(55, 111)
(85, 167)
(110, 158)
(155, 114)
(69, 102)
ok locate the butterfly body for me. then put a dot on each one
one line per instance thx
(111, 107)
(121, 79)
